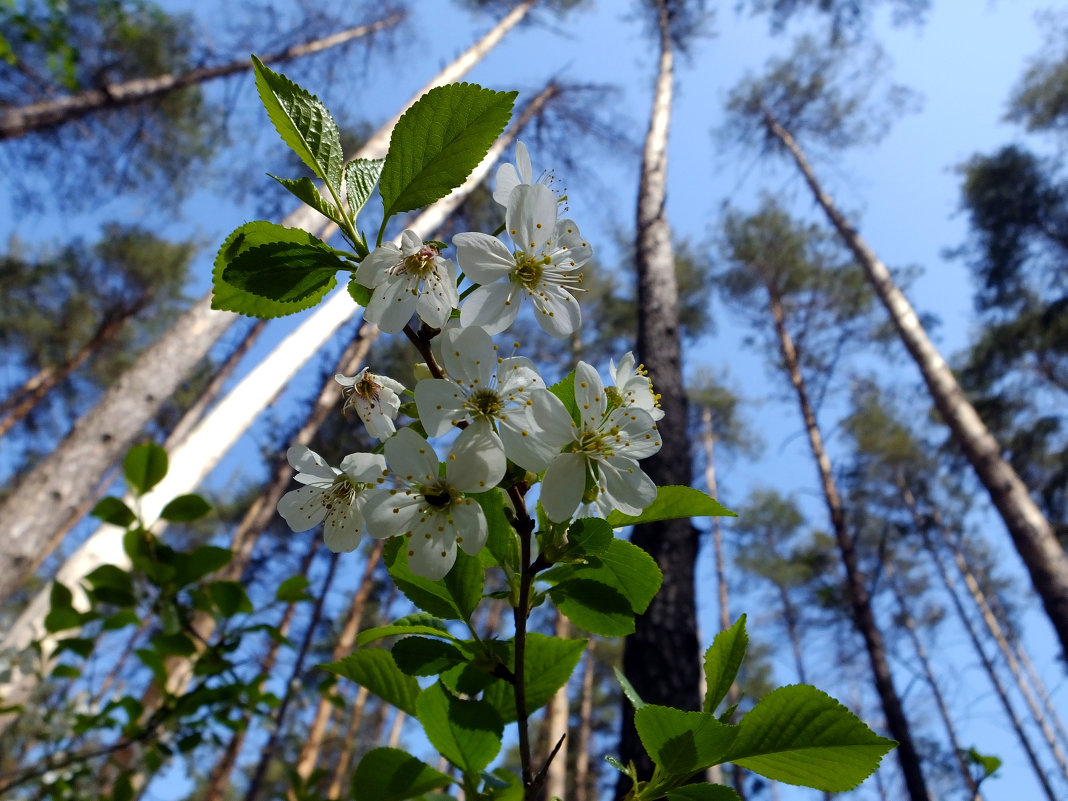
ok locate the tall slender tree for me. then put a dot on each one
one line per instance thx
(764, 102)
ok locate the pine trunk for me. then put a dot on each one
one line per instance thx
(661, 658)
(348, 745)
(309, 752)
(973, 636)
(55, 489)
(1031, 533)
(33, 117)
(557, 718)
(860, 601)
(581, 790)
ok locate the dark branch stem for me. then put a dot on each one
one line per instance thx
(524, 526)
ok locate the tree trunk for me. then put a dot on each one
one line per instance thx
(269, 750)
(309, 752)
(1031, 533)
(219, 778)
(717, 525)
(55, 489)
(661, 658)
(341, 769)
(581, 790)
(860, 601)
(909, 624)
(999, 688)
(33, 117)
(557, 719)
(23, 400)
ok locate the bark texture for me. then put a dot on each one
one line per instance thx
(859, 598)
(33, 117)
(1031, 533)
(661, 658)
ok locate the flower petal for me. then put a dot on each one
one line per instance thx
(469, 525)
(391, 305)
(431, 558)
(523, 443)
(482, 257)
(553, 418)
(493, 307)
(563, 486)
(558, 312)
(343, 530)
(440, 404)
(477, 460)
(630, 489)
(364, 467)
(388, 513)
(590, 395)
(310, 466)
(531, 217)
(302, 508)
(374, 269)
(411, 458)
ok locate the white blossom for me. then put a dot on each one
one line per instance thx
(489, 393)
(336, 496)
(428, 509)
(509, 177)
(545, 266)
(634, 387)
(411, 278)
(597, 458)
(375, 398)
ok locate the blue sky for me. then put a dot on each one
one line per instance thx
(963, 62)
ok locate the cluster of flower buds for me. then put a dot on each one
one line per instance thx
(498, 406)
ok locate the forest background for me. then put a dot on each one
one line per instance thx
(904, 193)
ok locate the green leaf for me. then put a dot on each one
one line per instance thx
(361, 175)
(358, 292)
(375, 669)
(113, 510)
(502, 542)
(62, 615)
(176, 644)
(144, 466)
(988, 762)
(82, 646)
(285, 272)
(185, 508)
(800, 735)
(229, 597)
(722, 661)
(293, 589)
(703, 792)
(419, 623)
(121, 619)
(465, 732)
(588, 536)
(592, 595)
(251, 237)
(453, 597)
(306, 190)
(303, 123)
(204, 560)
(564, 389)
(438, 142)
(65, 672)
(628, 689)
(673, 503)
(681, 742)
(547, 665)
(420, 656)
(389, 774)
(111, 584)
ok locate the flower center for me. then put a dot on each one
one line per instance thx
(592, 442)
(529, 269)
(439, 495)
(367, 388)
(342, 491)
(484, 403)
(421, 262)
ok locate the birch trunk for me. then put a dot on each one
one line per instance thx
(33, 117)
(309, 752)
(54, 491)
(208, 443)
(973, 636)
(1031, 533)
(860, 601)
(662, 657)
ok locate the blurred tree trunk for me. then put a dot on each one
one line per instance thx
(661, 658)
(309, 752)
(49, 495)
(348, 745)
(21, 120)
(557, 720)
(1031, 533)
(270, 749)
(909, 624)
(973, 636)
(219, 778)
(860, 601)
(581, 790)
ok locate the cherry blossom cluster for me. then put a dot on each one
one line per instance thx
(495, 408)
